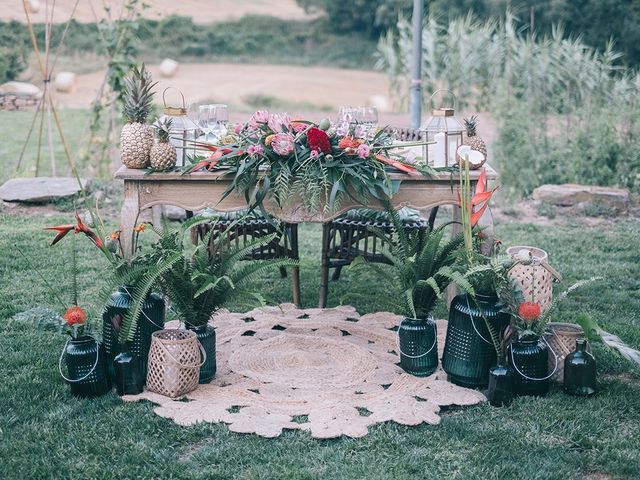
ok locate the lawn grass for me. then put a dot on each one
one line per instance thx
(15, 128)
(46, 433)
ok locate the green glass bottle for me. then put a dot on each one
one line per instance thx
(580, 371)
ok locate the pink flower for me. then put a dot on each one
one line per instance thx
(298, 126)
(258, 118)
(363, 151)
(238, 128)
(314, 154)
(278, 122)
(254, 150)
(283, 144)
(342, 129)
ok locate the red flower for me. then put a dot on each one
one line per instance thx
(75, 315)
(77, 228)
(319, 140)
(529, 311)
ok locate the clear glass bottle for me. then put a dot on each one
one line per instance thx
(580, 371)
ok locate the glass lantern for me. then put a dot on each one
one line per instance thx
(183, 130)
(446, 131)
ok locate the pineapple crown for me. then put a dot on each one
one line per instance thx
(163, 129)
(471, 124)
(138, 96)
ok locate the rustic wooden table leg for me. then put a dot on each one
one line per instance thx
(129, 217)
(156, 215)
(324, 267)
(295, 271)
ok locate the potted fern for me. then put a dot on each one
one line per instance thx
(198, 283)
(423, 266)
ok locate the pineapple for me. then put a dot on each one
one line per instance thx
(136, 137)
(471, 138)
(163, 154)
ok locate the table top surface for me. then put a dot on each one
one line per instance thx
(124, 173)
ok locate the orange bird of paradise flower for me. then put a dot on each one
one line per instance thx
(480, 200)
(79, 226)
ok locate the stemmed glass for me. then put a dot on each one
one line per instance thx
(204, 120)
(365, 119)
(218, 120)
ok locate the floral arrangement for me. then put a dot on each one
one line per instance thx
(75, 318)
(321, 163)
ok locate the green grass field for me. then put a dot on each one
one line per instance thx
(46, 433)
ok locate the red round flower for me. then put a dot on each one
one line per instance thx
(318, 140)
(529, 311)
(75, 315)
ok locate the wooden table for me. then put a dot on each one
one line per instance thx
(202, 190)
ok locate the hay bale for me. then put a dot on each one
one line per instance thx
(169, 68)
(65, 82)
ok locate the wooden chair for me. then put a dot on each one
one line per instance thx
(350, 236)
(285, 245)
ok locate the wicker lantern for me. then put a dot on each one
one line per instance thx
(183, 130)
(446, 131)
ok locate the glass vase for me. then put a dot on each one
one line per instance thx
(580, 371)
(151, 320)
(528, 357)
(207, 338)
(469, 352)
(500, 391)
(86, 367)
(418, 340)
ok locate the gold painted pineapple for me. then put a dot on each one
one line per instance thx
(136, 137)
(163, 154)
(471, 137)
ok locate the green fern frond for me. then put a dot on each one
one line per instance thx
(141, 290)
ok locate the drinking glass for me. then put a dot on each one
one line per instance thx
(204, 120)
(218, 120)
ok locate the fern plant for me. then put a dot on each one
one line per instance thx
(422, 267)
(197, 283)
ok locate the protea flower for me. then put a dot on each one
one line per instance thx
(529, 311)
(75, 316)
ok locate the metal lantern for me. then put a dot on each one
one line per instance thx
(446, 131)
(183, 130)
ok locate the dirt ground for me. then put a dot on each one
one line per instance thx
(202, 11)
(312, 87)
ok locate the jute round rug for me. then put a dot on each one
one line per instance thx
(331, 372)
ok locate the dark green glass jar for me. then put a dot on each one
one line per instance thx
(127, 373)
(418, 340)
(207, 338)
(529, 359)
(151, 320)
(500, 391)
(469, 352)
(86, 367)
(580, 371)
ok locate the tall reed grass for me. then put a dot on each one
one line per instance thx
(565, 112)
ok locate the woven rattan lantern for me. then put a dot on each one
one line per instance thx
(183, 130)
(446, 131)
